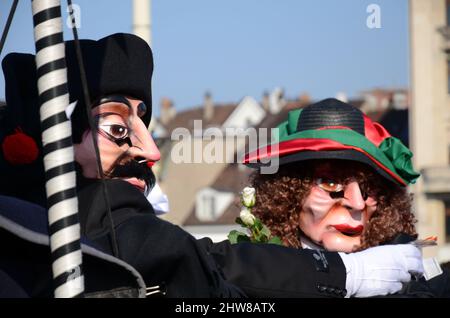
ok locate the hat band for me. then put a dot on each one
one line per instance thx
(341, 139)
(293, 146)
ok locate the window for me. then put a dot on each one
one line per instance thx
(209, 206)
(206, 206)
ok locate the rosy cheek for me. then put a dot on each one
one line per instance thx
(318, 203)
(109, 152)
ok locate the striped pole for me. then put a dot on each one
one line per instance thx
(64, 227)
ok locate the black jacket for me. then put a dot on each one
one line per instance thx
(25, 259)
(164, 253)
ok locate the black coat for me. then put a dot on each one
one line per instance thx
(164, 253)
(25, 259)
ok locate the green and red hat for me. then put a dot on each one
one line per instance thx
(331, 129)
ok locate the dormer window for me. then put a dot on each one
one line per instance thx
(210, 204)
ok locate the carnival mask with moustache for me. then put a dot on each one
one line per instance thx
(134, 169)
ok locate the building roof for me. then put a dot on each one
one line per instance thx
(232, 179)
(186, 118)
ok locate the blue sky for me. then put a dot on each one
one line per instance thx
(235, 48)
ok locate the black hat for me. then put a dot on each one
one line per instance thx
(117, 64)
(331, 129)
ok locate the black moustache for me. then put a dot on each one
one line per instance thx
(133, 169)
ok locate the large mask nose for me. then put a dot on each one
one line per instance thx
(143, 146)
(353, 198)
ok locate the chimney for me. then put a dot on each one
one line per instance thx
(276, 100)
(142, 22)
(167, 111)
(208, 107)
(266, 101)
(304, 99)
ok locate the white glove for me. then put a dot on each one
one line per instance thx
(381, 270)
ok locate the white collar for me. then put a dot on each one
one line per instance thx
(308, 244)
(158, 200)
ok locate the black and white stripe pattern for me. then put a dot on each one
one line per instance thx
(64, 227)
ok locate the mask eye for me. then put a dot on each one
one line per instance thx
(115, 131)
(329, 185)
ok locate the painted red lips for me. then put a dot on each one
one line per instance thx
(348, 229)
(150, 164)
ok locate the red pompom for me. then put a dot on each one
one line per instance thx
(19, 148)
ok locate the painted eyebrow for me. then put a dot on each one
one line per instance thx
(117, 109)
(115, 99)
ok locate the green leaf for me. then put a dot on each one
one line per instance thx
(236, 237)
(265, 230)
(256, 237)
(240, 222)
(258, 224)
(275, 240)
(233, 235)
(260, 237)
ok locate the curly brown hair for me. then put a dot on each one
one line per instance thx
(280, 197)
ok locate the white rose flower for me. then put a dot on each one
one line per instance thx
(248, 197)
(247, 217)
